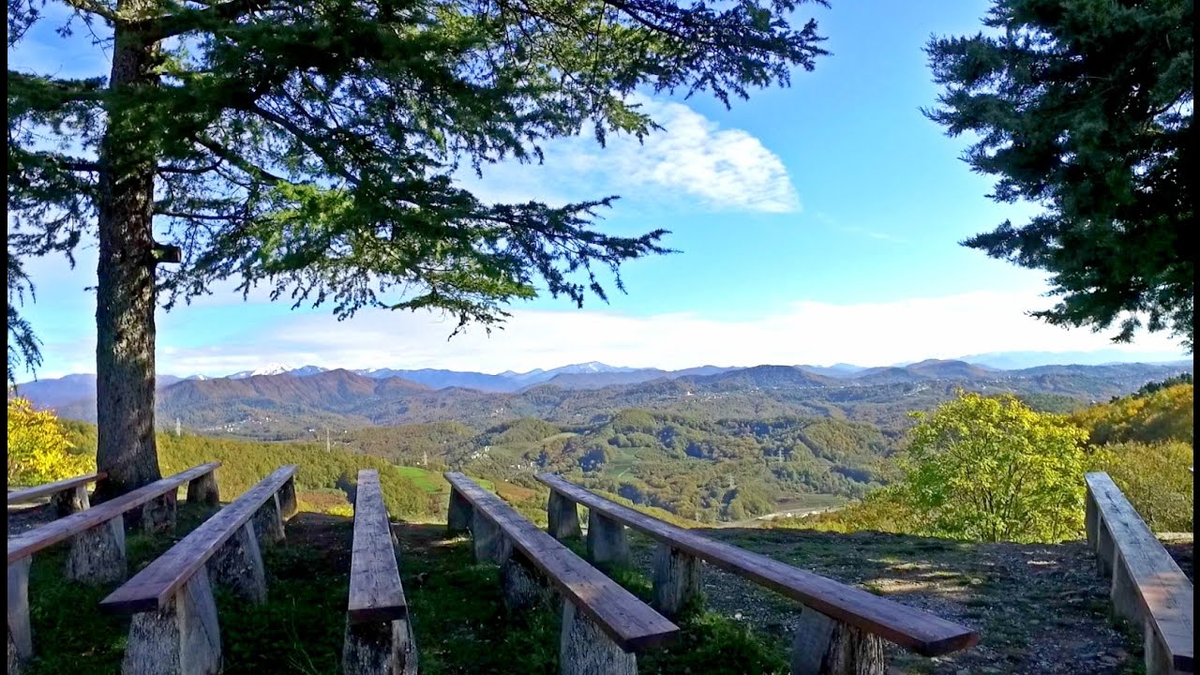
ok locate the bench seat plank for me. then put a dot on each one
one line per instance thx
(1164, 590)
(908, 627)
(630, 623)
(375, 590)
(32, 493)
(152, 588)
(32, 541)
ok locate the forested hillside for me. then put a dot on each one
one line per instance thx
(291, 407)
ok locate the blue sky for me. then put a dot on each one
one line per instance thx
(818, 223)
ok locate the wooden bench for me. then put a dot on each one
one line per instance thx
(379, 638)
(841, 628)
(602, 623)
(67, 496)
(174, 628)
(1148, 588)
(97, 542)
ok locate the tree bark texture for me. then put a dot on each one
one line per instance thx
(125, 294)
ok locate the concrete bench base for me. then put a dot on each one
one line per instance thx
(181, 639)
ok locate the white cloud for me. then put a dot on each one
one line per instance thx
(806, 332)
(692, 160)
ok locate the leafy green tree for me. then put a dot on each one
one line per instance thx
(1085, 109)
(991, 469)
(313, 146)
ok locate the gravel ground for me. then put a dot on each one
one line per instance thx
(1040, 609)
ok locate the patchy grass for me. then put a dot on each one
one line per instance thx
(1042, 610)
(70, 634)
(429, 481)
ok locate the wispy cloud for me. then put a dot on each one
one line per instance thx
(805, 332)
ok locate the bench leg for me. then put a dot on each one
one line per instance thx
(563, 517)
(1091, 518)
(1105, 549)
(521, 585)
(824, 646)
(158, 514)
(70, 501)
(184, 638)
(458, 518)
(676, 580)
(287, 499)
(1126, 600)
(584, 649)
(489, 542)
(238, 565)
(1158, 659)
(606, 541)
(20, 635)
(204, 490)
(267, 523)
(97, 555)
(383, 648)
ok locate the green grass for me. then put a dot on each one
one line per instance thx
(429, 481)
(70, 634)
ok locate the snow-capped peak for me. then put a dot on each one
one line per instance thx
(269, 369)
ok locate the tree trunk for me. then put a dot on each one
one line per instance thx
(125, 297)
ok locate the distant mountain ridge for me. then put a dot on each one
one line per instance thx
(280, 406)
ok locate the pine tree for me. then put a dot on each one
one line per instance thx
(311, 146)
(1085, 109)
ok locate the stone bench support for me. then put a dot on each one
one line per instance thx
(268, 524)
(204, 490)
(71, 500)
(522, 586)
(823, 646)
(286, 497)
(379, 648)
(676, 580)
(238, 566)
(584, 649)
(181, 639)
(458, 518)
(158, 514)
(489, 542)
(20, 635)
(97, 555)
(607, 543)
(563, 517)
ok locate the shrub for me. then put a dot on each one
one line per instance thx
(992, 469)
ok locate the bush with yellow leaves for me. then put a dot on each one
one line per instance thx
(38, 450)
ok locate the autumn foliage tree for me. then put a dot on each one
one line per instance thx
(37, 449)
(315, 147)
(992, 469)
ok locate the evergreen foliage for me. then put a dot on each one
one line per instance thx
(316, 148)
(1085, 109)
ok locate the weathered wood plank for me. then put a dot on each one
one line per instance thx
(1148, 585)
(37, 491)
(32, 541)
(629, 622)
(375, 591)
(152, 588)
(908, 627)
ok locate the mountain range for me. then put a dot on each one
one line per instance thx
(295, 402)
